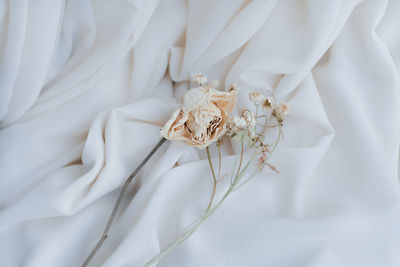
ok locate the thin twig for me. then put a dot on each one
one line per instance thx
(193, 227)
(261, 116)
(214, 179)
(219, 160)
(274, 145)
(118, 202)
(196, 224)
(241, 159)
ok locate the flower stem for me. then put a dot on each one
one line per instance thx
(274, 145)
(219, 161)
(241, 160)
(214, 179)
(118, 202)
(195, 225)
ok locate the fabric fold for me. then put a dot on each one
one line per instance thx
(85, 87)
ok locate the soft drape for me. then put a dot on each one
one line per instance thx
(85, 87)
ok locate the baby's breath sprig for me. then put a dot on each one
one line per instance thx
(242, 129)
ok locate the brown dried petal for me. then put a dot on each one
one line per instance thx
(202, 118)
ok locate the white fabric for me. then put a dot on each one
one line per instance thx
(86, 85)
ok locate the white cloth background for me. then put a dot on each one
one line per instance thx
(86, 85)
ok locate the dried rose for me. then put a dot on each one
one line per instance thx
(202, 118)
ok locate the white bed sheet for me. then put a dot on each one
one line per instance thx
(86, 85)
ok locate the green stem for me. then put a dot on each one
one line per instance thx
(193, 227)
(214, 179)
(241, 159)
(275, 144)
(219, 160)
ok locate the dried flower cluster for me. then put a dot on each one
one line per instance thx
(204, 118)
(243, 128)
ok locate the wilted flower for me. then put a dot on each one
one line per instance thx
(256, 97)
(242, 126)
(281, 111)
(199, 79)
(237, 123)
(268, 103)
(202, 118)
(250, 119)
(263, 148)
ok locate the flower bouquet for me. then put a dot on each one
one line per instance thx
(203, 119)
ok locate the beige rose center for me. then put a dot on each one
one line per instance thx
(203, 122)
